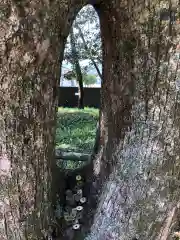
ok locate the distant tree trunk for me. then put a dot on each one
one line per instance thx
(89, 53)
(77, 68)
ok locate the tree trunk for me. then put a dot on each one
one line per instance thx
(77, 69)
(136, 172)
(89, 53)
(33, 36)
(97, 140)
(139, 165)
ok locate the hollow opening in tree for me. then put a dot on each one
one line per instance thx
(78, 134)
(82, 65)
(80, 86)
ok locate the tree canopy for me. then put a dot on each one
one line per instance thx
(88, 42)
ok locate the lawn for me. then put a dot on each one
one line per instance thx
(76, 129)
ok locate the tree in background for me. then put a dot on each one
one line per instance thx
(87, 40)
(84, 44)
(77, 69)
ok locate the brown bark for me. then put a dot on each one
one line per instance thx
(139, 125)
(138, 160)
(32, 41)
(97, 140)
(71, 156)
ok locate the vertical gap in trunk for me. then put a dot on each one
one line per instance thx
(84, 65)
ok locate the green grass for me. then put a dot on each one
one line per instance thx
(76, 129)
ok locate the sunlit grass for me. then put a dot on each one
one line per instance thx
(76, 129)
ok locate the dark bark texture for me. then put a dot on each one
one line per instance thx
(139, 124)
(138, 158)
(32, 38)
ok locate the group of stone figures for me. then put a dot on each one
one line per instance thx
(70, 210)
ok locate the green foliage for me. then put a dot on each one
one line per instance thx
(88, 45)
(76, 129)
(89, 79)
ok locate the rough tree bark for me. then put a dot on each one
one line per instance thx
(32, 38)
(138, 161)
(139, 125)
